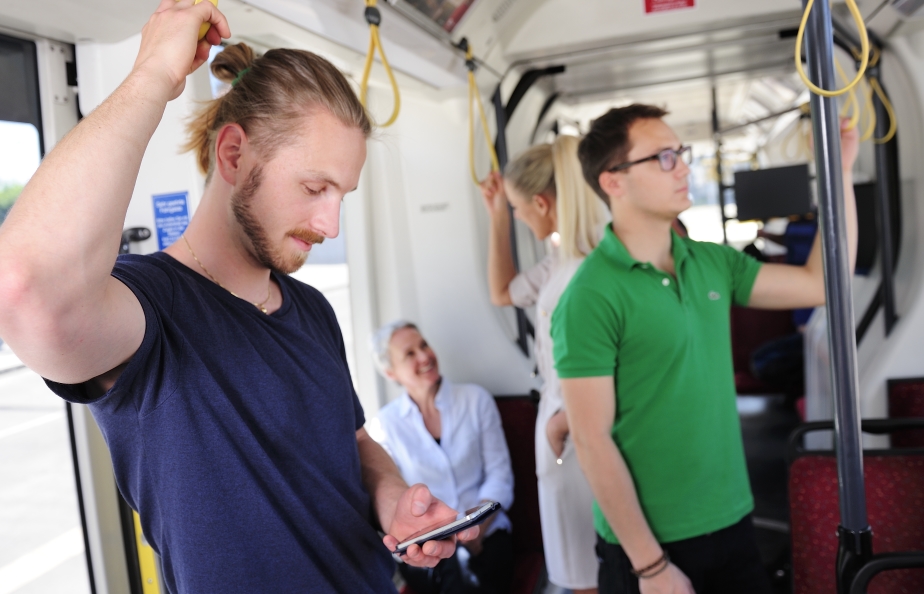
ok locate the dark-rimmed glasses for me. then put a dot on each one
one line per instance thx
(667, 159)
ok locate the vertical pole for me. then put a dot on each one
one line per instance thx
(80, 504)
(500, 147)
(854, 531)
(717, 137)
(884, 191)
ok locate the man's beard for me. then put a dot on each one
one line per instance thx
(262, 250)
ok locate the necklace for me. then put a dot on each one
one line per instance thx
(261, 306)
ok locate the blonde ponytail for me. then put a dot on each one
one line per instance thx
(580, 214)
(554, 170)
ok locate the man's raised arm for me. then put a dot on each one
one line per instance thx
(781, 286)
(591, 406)
(60, 310)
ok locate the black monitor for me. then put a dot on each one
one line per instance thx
(775, 192)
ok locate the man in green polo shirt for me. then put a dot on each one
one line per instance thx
(643, 349)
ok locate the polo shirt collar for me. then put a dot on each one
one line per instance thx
(616, 251)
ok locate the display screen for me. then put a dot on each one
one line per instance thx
(775, 192)
(445, 13)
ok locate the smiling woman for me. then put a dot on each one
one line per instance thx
(449, 437)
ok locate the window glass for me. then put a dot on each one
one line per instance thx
(19, 158)
(42, 546)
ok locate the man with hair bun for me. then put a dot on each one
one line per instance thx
(220, 384)
(643, 349)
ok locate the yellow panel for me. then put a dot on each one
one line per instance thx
(146, 561)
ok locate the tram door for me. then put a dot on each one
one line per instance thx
(63, 526)
(42, 548)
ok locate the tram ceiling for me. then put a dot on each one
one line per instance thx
(668, 40)
(750, 48)
(577, 86)
(72, 21)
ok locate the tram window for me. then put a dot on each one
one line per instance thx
(41, 549)
(703, 219)
(17, 161)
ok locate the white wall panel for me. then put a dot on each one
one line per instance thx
(900, 355)
(429, 259)
(101, 68)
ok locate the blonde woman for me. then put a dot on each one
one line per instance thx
(547, 191)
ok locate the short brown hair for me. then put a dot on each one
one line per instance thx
(268, 93)
(607, 142)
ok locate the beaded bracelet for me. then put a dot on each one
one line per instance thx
(665, 559)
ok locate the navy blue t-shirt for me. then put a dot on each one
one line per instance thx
(233, 433)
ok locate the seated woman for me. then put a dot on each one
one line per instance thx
(449, 437)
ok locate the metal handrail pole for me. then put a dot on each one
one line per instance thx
(500, 147)
(854, 528)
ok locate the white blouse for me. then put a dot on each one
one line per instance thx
(541, 286)
(469, 465)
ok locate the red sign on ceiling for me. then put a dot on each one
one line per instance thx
(667, 5)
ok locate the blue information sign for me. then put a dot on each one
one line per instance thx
(171, 215)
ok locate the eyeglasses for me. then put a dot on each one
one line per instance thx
(667, 159)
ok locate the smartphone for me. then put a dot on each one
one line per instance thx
(463, 520)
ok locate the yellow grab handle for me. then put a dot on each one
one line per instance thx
(373, 18)
(205, 26)
(474, 99)
(864, 51)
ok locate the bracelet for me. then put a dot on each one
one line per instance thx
(667, 564)
(665, 558)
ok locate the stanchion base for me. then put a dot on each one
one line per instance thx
(855, 548)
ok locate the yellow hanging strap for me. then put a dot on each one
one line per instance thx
(374, 18)
(870, 111)
(864, 50)
(893, 123)
(474, 97)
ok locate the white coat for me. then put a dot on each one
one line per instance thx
(565, 498)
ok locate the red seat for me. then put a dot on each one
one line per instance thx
(751, 329)
(906, 399)
(518, 416)
(895, 506)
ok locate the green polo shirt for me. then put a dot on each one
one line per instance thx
(667, 343)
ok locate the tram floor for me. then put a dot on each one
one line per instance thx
(766, 422)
